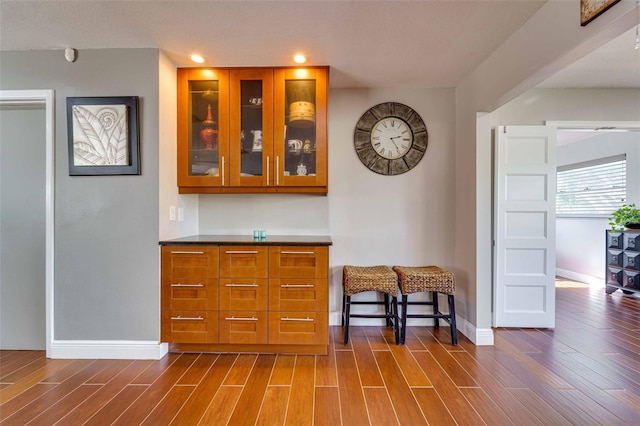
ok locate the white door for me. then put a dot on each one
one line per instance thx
(525, 188)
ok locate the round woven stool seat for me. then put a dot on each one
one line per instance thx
(414, 279)
(357, 279)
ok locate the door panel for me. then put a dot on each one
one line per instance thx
(524, 283)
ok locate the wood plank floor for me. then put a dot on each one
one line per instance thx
(584, 372)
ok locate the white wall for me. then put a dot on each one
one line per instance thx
(168, 157)
(372, 219)
(580, 241)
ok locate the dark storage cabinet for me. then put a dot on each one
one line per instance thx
(623, 261)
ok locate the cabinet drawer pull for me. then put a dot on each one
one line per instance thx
(297, 285)
(277, 170)
(297, 252)
(241, 252)
(241, 285)
(307, 319)
(267, 170)
(241, 319)
(187, 252)
(179, 318)
(187, 285)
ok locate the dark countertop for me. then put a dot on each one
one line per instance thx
(270, 240)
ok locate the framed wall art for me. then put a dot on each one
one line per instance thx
(591, 9)
(103, 135)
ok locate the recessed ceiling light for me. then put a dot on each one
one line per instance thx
(198, 59)
(299, 58)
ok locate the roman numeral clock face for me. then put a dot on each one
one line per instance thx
(390, 138)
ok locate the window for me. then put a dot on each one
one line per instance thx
(595, 188)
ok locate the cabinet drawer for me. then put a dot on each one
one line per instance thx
(631, 279)
(189, 327)
(243, 327)
(614, 240)
(188, 295)
(300, 328)
(614, 276)
(244, 261)
(614, 258)
(295, 294)
(631, 241)
(245, 294)
(631, 260)
(190, 261)
(298, 262)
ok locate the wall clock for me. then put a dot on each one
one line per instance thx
(390, 138)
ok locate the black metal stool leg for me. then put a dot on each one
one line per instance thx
(403, 328)
(454, 329)
(396, 323)
(344, 302)
(387, 309)
(346, 319)
(436, 310)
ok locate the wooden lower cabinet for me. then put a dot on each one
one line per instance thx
(258, 299)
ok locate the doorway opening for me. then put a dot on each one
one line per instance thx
(15, 99)
(580, 236)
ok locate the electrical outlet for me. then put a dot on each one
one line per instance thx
(172, 213)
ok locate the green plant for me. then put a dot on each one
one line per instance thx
(626, 214)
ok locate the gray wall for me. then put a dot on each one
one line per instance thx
(22, 228)
(106, 227)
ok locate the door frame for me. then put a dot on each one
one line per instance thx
(46, 98)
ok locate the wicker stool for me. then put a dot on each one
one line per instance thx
(357, 279)
(427, 279)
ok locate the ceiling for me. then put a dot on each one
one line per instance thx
(366, 43)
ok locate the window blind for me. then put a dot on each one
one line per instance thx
(596, 188)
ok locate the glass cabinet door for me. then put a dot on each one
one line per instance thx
(203, 119)
(251, 123)
(300, 127)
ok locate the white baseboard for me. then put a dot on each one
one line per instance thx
(479, 337)
(583, 278)
(107, 349)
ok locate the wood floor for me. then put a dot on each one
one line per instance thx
(585, 372)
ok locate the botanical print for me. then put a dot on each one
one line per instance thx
(590, 9)
(100, 135)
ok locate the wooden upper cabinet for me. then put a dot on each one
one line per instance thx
(252, 130)
(300, 128)
(203, 128)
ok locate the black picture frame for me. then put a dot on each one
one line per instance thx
(103, 141)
